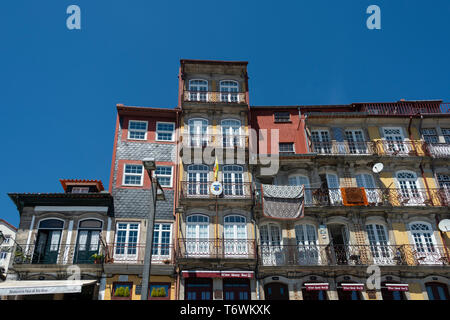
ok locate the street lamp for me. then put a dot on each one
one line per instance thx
(157, 194)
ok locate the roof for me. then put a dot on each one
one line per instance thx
(8, 224)
(194, 61)
(144, 111)
(97, 183)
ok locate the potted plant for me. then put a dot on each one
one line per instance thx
(98, 258)
(122, 293)
(158, 293)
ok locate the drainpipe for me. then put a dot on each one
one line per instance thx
(175, 201)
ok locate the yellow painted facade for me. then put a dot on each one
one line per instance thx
(137, 281)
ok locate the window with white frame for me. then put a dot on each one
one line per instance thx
(137, 130)
(161, 240)
(165, 131)
(282, 117)
(80, 190)
(126, 241)
(198, 90)
(286, 147)
(133, 175)
(164, 174)
(228, 91)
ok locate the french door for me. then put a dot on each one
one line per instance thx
(333, 189)
(424, 243)
(379, 244)
(235, 236)
(126, 248)
(302, 180)
(197, 180)
(356, 143)
(409, 193)
(88, 243)
(307, 245)
(233, 182)
(444, 184)
(198, 132)
(271, 249)
(229, 91)
(394, 140)
(198, 90)
(366, 181)
(47, 248)
(197, 236)
(321, 141)
(231, 133)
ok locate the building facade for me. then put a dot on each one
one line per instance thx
(9, 233)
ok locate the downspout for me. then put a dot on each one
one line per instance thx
(175, 205)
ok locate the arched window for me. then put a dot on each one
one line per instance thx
(197, 235)
(197, 180)
(48, 241)
(233, 180)
(271, 249)
(409, 193)
(88, 242)
(229, 91)
(198, 90)
(307, 244)
(379, 244)
(298, 180)
(389, 294)
(437, 291)
(198, 132)
(231, 133)
(424, 243)
(235, 235)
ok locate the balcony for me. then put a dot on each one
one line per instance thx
(214, 140)
(201, 190)
(216, 249)
(376, 197)
(352, 255)
(406, 108)
(344, 148)
(120, 253)
(214, 97)
(438, 150)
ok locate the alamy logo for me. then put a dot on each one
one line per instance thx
(374, 21)
(373, 281)
(74, 20)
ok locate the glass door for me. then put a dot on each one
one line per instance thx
(333, 189)
(321, 141)
(356, 143)
(302, 180)
(366, 181)
(307, 245)
(271, 249)
(197, 235)
(424, 244)
(126, 248)
(198, 90)
(409, 193)
(231, 133)
(394, 141)
(233, 184)
(198, 132)
(198, 180)
(235, 236)
(379, 244)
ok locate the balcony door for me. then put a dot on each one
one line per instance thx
(198, 90)
(299, 181)
(235, 236)
(394, 141)
(379, 244)
(231, 133)
(197, 180)
(307, 244)
(356, 143)
(126, 247)
(424, 243)
(197, 235)
(321, 141)
(48, 241)
(233, 180)
(366, 181)
(229, 91)
(333, 189)
(338, 251)
(198, 132)
(409, 194)
(444, 184)
(88, 242)
(271, 249)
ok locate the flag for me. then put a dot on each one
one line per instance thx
(216, 169)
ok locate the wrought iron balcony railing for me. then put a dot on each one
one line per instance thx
(405, 108)
(400, 148)
(344, 148)
(216, 248)
(438, 150)
(134, 253)
(377, 197)
(332, 255)
(57, 253)
(231, 190)
(215, 140)
(214, 96)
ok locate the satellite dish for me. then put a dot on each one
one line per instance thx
(444, 225)
(377, 167)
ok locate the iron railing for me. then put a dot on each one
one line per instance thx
(57, 253)
(217, 248)
(400, 148)
(376, 197)
(344, 148)
(331, 255)
(405, 108)
(438, 150)
(235, 190)
(214, 96)
(134, 253)
(215, 140)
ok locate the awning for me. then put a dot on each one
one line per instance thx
(217, 274)
(26, 287)
(397, 287)
(352, 286)
(316, 286)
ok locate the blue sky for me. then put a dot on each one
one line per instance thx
(59, 87)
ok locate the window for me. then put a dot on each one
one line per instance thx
(437, 291)
(231, 130)
(308, 251)
(302, 180)
(271, 246)
(286, 147)
(80, 190)
(198, 90)
(133, 174)
(233, 183)
(235, 235)
(321, 141)
(159, 291)
(198, 132)
(197, 234)
(394, 138)
(356, 142)
(137, 130)
(126, 241)
(379, 243)
(282, 117)
(197, 180)
(198, 289)
(228, 91)
(7, 238)
(409, 192)
(164, 175)
(3, 255)
(446, 134)
(164, 131)
(365, 180)
(122, 291)
(161, 240)
(430, 136)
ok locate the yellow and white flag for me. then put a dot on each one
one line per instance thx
(216, 169)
